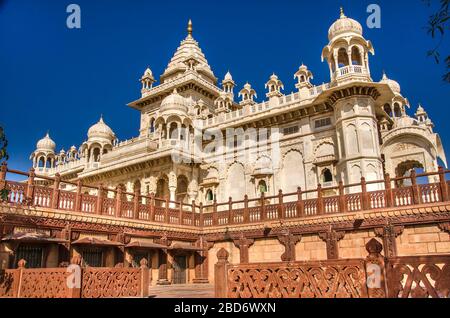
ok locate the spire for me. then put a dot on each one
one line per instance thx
(189, 28)
(187, 55)
(342, 13)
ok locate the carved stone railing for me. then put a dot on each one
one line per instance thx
(418, 277)
(74, 282)
(111, 282)
(357, 197)
(372, 277)
(329, 279)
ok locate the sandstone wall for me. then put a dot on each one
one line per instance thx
(265, 250)
(353, 245)
(419, 240)
(310, 248)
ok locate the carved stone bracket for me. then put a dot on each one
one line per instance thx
(332, 238)
(445, 226)
(389, 233)
(289, 240)
(243, 244)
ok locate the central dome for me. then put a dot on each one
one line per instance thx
(344, 25)
(174, 103)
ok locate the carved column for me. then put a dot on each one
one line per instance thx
(332, 238)
(243, 243)
(172, 189)
(201, 261)
(289, 240)
(162, 260)
(389, 233)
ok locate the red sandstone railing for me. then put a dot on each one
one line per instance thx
(386, 193)
(372, 277)
(74, 282)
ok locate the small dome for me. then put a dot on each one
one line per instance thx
(228, 76)
(303, 67)
(173, 102)
(148, 73)
(73, 148)
(101, 130)
(395, 86)
(46, 144)
(344, 25)
(62, 152)
(420, 111)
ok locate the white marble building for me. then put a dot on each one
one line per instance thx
(350, 127)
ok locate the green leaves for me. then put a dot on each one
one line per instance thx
(3, 145)
(438, 24)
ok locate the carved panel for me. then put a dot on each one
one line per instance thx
(111, 282)
(327, 279)
(419, 277)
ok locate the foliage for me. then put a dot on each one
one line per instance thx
(438, 24)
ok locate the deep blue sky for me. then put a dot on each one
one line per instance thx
(57, 79)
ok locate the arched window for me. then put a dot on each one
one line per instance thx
(152, 125)
(302, 78)
(209, 195)
(96, 154)
(397, 110)
(343, 57)
(262, 187)
(173, 131)
(356, 56)
(387, 109)
(327, 176)
(41, 163)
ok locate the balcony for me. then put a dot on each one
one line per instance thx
(352, 73)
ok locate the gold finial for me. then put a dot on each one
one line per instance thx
(189, 28)
(342, 13)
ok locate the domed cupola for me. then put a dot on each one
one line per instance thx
(347, 52)
(344, 25)
(46, 144)
(101, 131)
(174, 104)
(44, 156)
(395, 86)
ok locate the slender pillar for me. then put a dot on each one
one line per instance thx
(201, 261)
(162, 274)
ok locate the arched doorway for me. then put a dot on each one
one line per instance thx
(404, 170)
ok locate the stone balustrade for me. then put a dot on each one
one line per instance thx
(350, 198)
